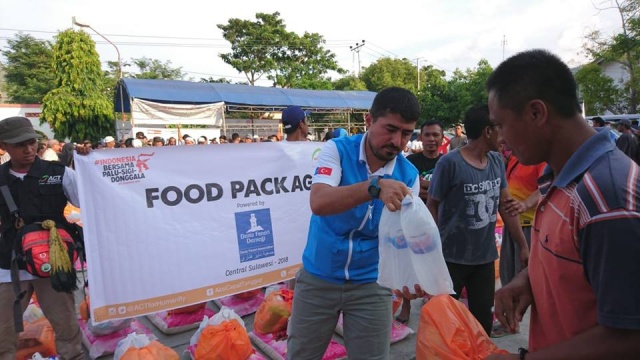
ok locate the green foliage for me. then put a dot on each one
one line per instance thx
(622, 48)
(28, 69)
(447, 101)
(265, 48)
(156, 69)
(79, 107)
(349, 83)
(387, 72)
(303, 62)
(598, 91)
(218, 80)
(253, 44)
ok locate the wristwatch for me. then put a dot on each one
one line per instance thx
(374, 187)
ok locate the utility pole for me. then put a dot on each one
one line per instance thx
(356, 49)
(504, 44)
(418, 68)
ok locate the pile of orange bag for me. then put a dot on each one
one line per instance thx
(448, 331)
(274, 312)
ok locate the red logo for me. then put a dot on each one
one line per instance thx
(141, 162)
(323, 171)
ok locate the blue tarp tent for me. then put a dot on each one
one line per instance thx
(239, 97)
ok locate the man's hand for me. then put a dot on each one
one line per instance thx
(392, 192)
(406, 293)
(514, 207)
(512, 301)
(424, 189)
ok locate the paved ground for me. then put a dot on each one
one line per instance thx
(403, 350)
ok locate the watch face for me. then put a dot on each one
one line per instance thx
(374, 190)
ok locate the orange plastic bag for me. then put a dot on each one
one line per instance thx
(226, 341)
(448, 331)
(274, 312)
(38, 337)
(153, 351)
(84, 307)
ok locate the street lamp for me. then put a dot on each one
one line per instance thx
(119, 59)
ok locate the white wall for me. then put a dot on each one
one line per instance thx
(30, 111)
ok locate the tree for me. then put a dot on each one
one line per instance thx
(469, 87)
(302, 63)
(28, 69)
(622, 48)
(436, 96)
(156, 69)
(598, 91)
(253, 44)
(386, 72)
(266, 48)
(79, 107)
(218, 80)
(350, 82)
(448, 100)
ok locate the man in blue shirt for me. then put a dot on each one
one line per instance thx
(355, 177)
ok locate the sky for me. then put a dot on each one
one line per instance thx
(447, 34)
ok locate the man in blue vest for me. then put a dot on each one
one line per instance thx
(355, 177)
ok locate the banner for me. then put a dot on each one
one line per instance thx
(144, 112)
(167, 227)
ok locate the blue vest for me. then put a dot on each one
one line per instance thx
(344, 247)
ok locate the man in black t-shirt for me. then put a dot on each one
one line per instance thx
(431, 135)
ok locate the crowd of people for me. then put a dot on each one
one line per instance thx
(568, 196)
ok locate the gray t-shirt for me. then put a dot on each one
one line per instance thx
(469, 199)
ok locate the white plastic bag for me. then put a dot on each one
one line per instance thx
(132, 340)
(225, 314)
(107, 327)
(411, 251)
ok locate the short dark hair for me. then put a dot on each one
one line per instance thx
(235, 136)
(535, 74)
(476, 119)
(431, 123)
(158, 139)
(396, 100)
(598, 120)
(223, 137)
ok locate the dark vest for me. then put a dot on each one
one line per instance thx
(39, 196)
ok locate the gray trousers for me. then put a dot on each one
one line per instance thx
(317, 304)
(59, 308)
(510, 264)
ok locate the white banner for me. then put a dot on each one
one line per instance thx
(174, 226)
(145, 112)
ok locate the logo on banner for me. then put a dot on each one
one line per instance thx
(315, 154)
(255, 235)
(125, 169)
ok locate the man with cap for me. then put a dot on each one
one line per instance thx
(110, 142)
(36, 201)
(627, 142)
(53, 150)
(294, 122)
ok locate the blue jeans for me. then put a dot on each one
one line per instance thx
(317, 304)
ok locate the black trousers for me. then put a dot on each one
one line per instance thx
(480, 282)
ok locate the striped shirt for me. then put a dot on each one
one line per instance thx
(585, 247)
